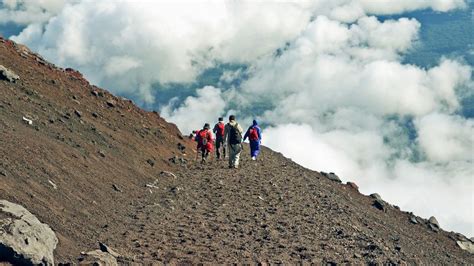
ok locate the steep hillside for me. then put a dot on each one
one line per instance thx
(97, 168)
(82, 142)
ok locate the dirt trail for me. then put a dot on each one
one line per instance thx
(272, 211)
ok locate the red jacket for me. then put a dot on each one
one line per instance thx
(205, 136)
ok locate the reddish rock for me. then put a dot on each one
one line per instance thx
(353, 185)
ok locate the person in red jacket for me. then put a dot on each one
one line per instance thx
(219, 131)
(205, 142)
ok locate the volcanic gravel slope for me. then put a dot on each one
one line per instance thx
(84, 164)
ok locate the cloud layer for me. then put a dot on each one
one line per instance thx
(24, 12)
(194, 111)
(326, 76)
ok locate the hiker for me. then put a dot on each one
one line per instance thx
(193, 134)
(254, 134)
(204, 139)
(233, 138)
(219, 129)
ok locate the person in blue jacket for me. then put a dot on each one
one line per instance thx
(254, 133)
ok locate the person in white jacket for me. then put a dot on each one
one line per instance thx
(233, 138)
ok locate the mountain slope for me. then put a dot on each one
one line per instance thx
(82, 139)
(96, 168)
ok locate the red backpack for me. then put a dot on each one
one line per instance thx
(220, 129)
(253, 134)
(203, 137)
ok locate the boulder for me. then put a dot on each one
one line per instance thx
(24, 239)
(375, 196)
(433, 224)
(6, 74)
(379, 204)
(433, 221)
(332, 176)
(466, 245)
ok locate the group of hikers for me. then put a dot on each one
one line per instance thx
(228, 137)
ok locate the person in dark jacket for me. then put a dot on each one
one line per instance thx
(254, 134)
(219, 130)
(233, 137)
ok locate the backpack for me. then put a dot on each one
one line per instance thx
(220, 129)
(253, 134)
(203, 137)
(235, 137)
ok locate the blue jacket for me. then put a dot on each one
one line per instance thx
(255, 126)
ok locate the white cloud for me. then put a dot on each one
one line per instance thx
(446, 138)
(172, 42)
(331, 107)
(402, 6)
(29, 11)
(206, 107)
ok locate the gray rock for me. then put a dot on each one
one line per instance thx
(111, 103)
(413, 220)
(151, 162)
(24, 239)
(97, 257)
(433, 224)
(379, 204)
(433, 227)
(6, 74)
(78, 113)
(433, 221)
(116, 188)
(104, 248)
(375, 196)
(332, 176)
(466, 245)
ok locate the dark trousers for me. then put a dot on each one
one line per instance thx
(204, 154)
(219, 145)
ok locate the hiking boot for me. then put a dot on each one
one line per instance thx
(254, 158)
